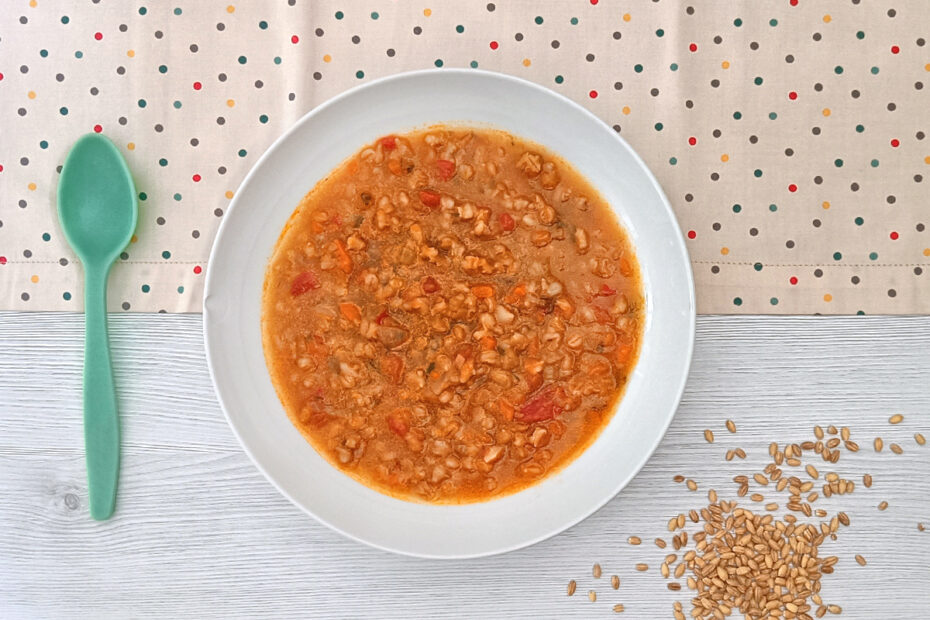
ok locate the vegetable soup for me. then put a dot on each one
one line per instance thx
(451, 315)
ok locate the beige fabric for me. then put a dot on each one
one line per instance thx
(261, 65)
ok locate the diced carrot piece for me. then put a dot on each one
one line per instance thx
(446, 169)
(429, 197)
(507, 222)
(565, 306)
(534, 382)
(518, 293)
(532, 348)
(342, 256)
(350, 311)
(389, 143)
(626, 267)
(624, 353)
(483, 291)
(393, 367)
(533, 366)
(394, 167)
(507, 410)
(488, 343)
(305, 281)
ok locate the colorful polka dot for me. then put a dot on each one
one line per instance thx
(814, 99)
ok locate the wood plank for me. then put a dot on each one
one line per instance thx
(200, 533)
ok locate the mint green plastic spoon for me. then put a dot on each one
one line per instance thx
(98, 211)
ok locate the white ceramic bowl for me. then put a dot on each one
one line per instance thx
(305, 154)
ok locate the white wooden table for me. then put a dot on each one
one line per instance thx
(200, 533)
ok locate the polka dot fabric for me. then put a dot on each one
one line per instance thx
(790, 136)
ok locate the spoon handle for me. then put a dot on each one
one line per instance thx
(101, 421)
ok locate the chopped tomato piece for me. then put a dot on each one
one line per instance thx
(430, 285)
(305, 281)
(483, 291)
(465, 350)
(380, 318)
(544, 406)
(507, 222)
(429, 197)
(446, 169)
(601, 315)
(392, 366)
(351, 312)
(389, 143)
(398, 422)
(606, 291)
(342, 256)
(314, 417)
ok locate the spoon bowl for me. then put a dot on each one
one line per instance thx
(97, 210)
(96, 200)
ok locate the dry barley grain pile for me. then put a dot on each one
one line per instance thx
(738, 560)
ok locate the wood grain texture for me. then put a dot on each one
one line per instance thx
(200, 533)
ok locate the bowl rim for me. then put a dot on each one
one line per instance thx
(677, 390)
